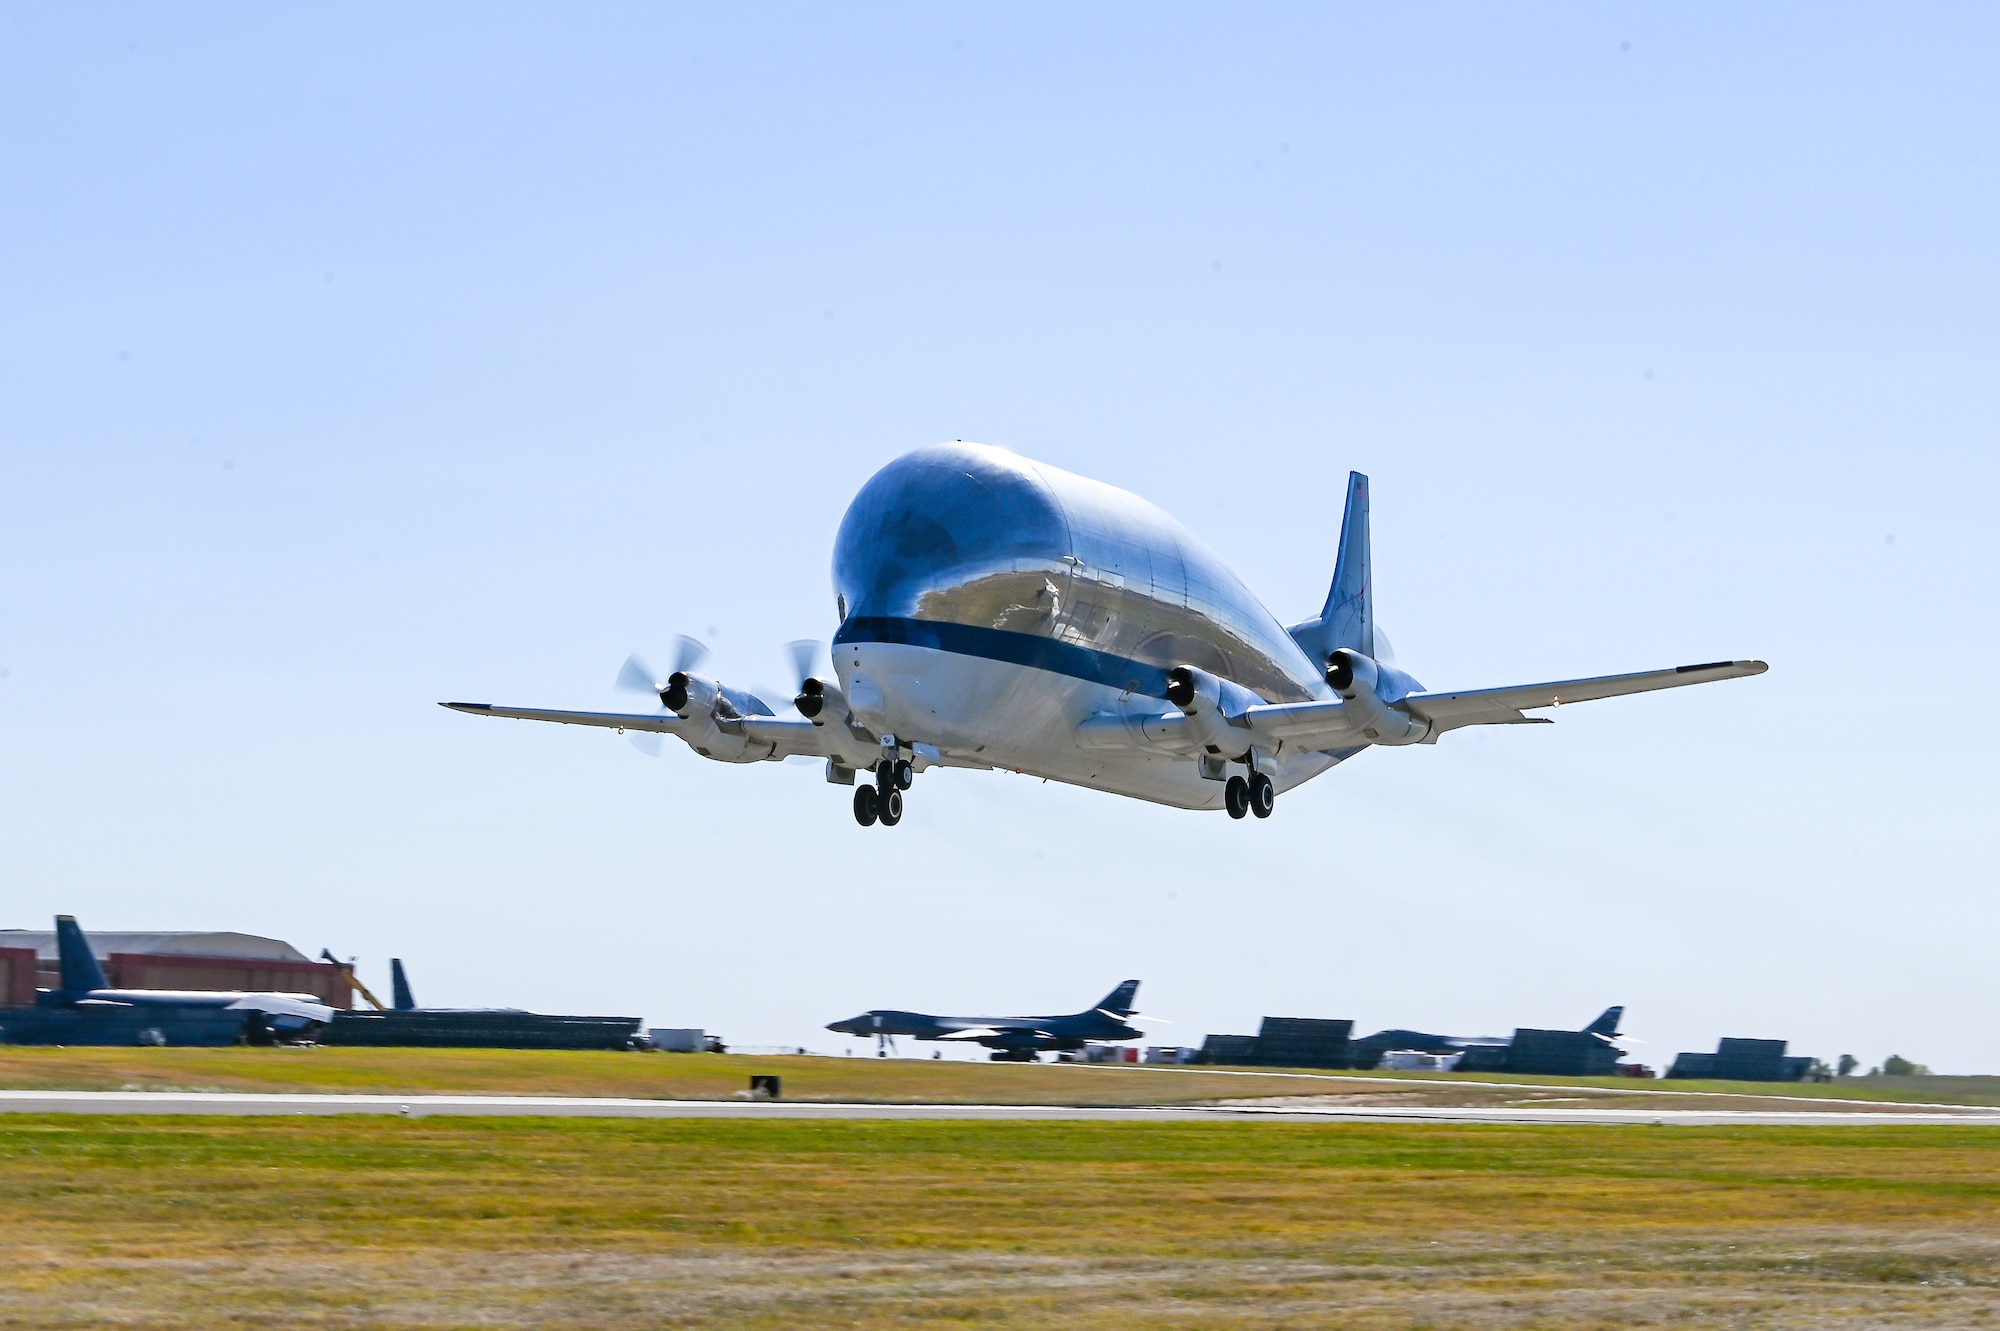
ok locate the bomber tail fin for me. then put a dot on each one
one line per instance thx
(1348, 618)
(399, 985)
(1606, 1023)
(1119, 1002)
(80, 971)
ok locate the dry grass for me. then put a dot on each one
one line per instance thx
(365, 1222)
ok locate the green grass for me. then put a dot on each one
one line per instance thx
(710, 1076)
(380, 1222)
(646, 1076)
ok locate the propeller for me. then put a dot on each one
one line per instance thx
(811, 694)
(803, 652)
(635, 676)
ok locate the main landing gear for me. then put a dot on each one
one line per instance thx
(1256, 795)
(882, 800)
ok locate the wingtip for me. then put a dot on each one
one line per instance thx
(468, 706)
(1736, 667)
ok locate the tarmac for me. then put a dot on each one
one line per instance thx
(425, 1106)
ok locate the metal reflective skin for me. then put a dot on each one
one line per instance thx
(959, 565)
(1001, 613)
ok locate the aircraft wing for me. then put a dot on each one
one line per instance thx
(1502, 707)
(302, 1006)
(969, 1033)
(664, 722)
(1326, 725)
(786, 735)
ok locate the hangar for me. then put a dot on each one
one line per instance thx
(166, 962)
(172, 959)
(1744, 1060)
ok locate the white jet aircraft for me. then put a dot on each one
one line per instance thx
(1000, 612)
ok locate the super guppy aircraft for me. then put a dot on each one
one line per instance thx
(997, 612)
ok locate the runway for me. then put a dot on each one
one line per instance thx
(426, 1106)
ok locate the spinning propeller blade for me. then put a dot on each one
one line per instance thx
(688, 653)
(635, 676)
(803, 653)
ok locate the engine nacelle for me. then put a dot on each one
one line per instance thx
(1358, 680)
(687, 693)
(1351, 674)
(1200, 694)
(811, 700)
(1194, 690)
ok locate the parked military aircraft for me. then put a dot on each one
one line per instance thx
(84, 987)
(1367, 1051)
(399, 987)
(997, 612)
(1012, 1039)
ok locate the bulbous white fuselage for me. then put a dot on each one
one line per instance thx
(990, 604)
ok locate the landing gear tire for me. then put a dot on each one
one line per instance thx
(906, 775)
(890, 810)
(866, 806)
(1236, 797)
(1263, 797)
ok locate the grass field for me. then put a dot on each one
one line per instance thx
(391, 1223)
(711, 1076)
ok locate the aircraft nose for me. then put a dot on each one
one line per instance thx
(852, 1026)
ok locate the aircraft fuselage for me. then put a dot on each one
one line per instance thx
(989, 604)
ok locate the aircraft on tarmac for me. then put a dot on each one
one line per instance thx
(997, 612)
(1367, 1051)
(1012, 1039)
(84, 988)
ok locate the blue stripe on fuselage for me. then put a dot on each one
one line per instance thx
(1022, 649)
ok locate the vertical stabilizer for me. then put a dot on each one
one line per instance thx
(1349, 617)
(399, 987)
(1607, 1023)
(1119, 1000)
(80, 971)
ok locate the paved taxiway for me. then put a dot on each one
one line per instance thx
(420, 1106)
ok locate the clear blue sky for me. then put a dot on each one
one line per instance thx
(353, 358)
